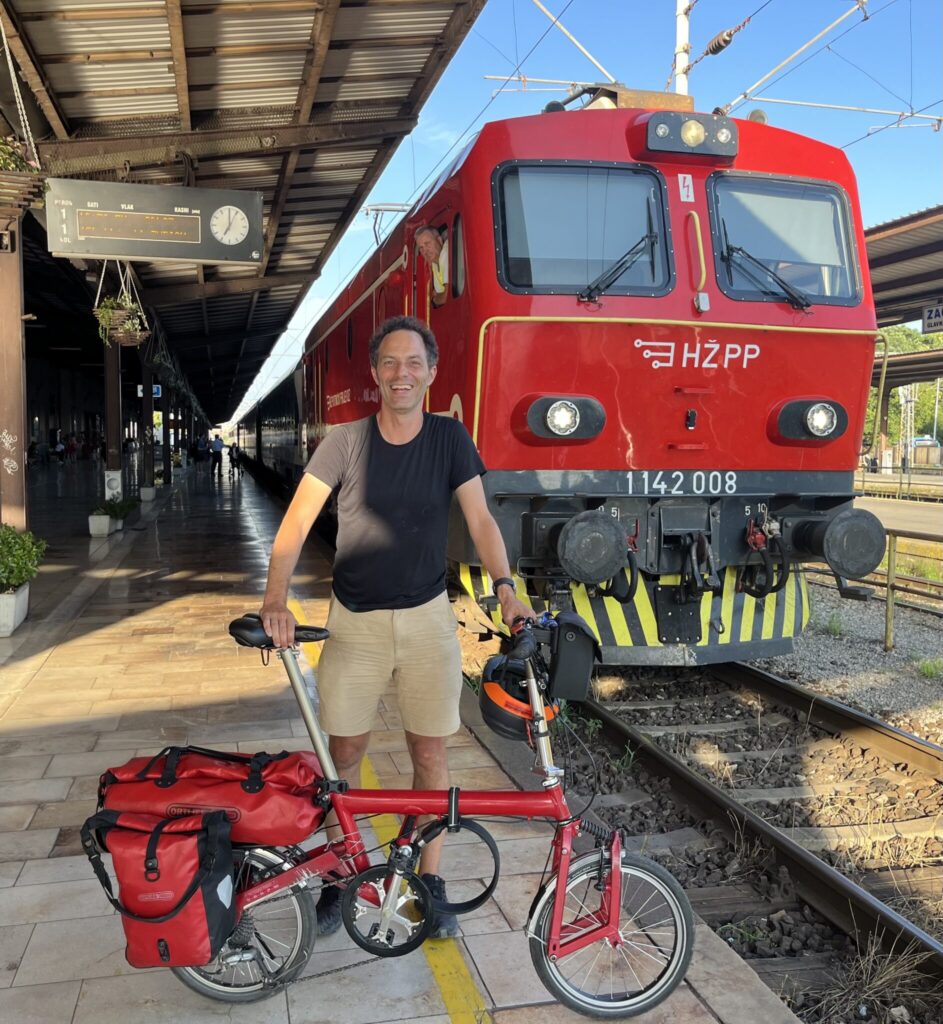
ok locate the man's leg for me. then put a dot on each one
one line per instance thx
(430, 771)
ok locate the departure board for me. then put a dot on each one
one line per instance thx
(107, 220)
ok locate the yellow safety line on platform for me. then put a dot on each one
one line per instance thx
(463, 1001)
(311, 651)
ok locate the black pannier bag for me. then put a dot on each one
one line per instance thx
(175, 883)
(573, 649)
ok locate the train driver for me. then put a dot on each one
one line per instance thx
(435, 251)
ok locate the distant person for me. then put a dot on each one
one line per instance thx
(216, 452)
(235, 462)
(435, 251)
(202, 449)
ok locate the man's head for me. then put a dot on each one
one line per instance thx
(429, 242)
(403, 358)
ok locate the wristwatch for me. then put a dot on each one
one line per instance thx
(501, 582)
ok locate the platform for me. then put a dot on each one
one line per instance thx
(125, 651)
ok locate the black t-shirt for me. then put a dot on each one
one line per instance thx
(393, 508)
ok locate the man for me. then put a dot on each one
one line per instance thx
(435, 251)
(390, 618)
(216, 452)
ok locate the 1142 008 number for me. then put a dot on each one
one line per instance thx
(678, 481)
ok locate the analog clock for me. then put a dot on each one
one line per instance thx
(229, 225)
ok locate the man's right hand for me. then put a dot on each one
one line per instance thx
(278, 622)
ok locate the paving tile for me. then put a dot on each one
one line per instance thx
(45, 744)
(235, 732)
(40, 1004)
(504, 963)
(60, 869)
(58, 711)
(63, 951)
(10, 870)
(85, 787)
(34, 791)
(681, 1007)
(160, 737)
(16, 816)
(95, 761)
(514, 896)
(69, 813)
(156, 997)
(13, 942)
(409, 993)
(56, 901)
(725, 982)
(30, 766)
(27, 845)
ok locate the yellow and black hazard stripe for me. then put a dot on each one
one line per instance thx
(733, 624)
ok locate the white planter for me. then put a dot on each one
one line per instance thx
(100, 526)
(148, 493)
(119, 524)
(13, 609)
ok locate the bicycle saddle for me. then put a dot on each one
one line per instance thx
(247, 631)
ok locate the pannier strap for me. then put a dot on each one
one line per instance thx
(255, 763)
(212, 822)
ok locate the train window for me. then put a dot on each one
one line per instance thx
(458, 256)
(782, 240)
(562, 228)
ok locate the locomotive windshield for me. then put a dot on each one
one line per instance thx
(782, 241)
(564, 229)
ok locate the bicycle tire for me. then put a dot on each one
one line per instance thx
(283, 929)
(642, 880)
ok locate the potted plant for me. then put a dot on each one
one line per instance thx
(119, 508)
(20, 555)
(148, 493)
(100, 523)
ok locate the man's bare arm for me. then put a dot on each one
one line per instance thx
(311, 496)
(490, 546)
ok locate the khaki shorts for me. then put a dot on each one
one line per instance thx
(413, 651)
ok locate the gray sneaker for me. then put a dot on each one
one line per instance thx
(444, 923)
(329, 910)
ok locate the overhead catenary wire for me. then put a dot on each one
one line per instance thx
(893, 124)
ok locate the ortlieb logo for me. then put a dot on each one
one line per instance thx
(182, 810)
(164, 896)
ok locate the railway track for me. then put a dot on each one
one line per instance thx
(816, 783)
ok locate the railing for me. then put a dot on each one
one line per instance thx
(912, 481)
(893, 587)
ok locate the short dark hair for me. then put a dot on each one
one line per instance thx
(405, 323)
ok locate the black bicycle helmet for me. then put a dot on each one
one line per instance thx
(503, 699)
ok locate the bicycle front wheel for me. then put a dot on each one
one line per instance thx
(271, 943)
(656, 926)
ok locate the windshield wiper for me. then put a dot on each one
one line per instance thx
(612, 274)
(795, 298)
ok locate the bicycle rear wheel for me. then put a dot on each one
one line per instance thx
(271, 943)
(657, 929)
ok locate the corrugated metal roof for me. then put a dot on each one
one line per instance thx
(133, 70)
(905, 257)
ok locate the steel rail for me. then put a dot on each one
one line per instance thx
(836, 897)
(895, 744)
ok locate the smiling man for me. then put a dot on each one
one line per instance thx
(390, 619)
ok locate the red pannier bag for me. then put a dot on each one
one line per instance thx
(175, 883)
(269, 799)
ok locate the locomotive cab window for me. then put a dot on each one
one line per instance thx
(782, 241)
(581, 229)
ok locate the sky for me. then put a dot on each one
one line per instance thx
(891, 61)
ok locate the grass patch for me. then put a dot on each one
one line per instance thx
(834, 625)
(930, 668)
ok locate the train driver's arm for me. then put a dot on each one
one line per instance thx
(490, 546)
(310, 497)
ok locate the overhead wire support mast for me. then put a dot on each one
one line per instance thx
(859, 5)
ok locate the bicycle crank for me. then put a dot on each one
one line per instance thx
(387, 913)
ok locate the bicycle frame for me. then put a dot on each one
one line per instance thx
(347, 857)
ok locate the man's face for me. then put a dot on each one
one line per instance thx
(430, 245)
(402, 372)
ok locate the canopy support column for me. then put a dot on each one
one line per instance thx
(13, 437)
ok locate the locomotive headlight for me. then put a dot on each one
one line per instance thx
(563, 418)
(821, 419)
(724, 135)
(662, 130)
(692, 133)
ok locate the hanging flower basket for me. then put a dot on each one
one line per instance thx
(120, 317)
(129, 337)
(21, 185)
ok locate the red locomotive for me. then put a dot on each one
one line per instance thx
(658, 327)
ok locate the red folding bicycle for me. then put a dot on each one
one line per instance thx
(610, 933)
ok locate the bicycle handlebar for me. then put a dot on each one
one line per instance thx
(525, 643)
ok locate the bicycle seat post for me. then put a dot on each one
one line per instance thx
(542, 737)
(318, 739)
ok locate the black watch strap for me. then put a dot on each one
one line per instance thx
(500, 582)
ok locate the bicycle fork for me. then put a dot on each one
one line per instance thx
(592, 924)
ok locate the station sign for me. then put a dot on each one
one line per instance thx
(111, 220)
(933, 318)
(156, 388)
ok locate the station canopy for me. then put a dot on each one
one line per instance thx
(304, 101)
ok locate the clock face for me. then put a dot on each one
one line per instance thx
(229, 225)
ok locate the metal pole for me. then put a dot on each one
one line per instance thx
(113, 483)
(891, 581)
(573, 39)
(12, 378)
(935, 118)
(147, 424)
(318, 739)
(936, 409)
(682, 46)
(745, 95)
